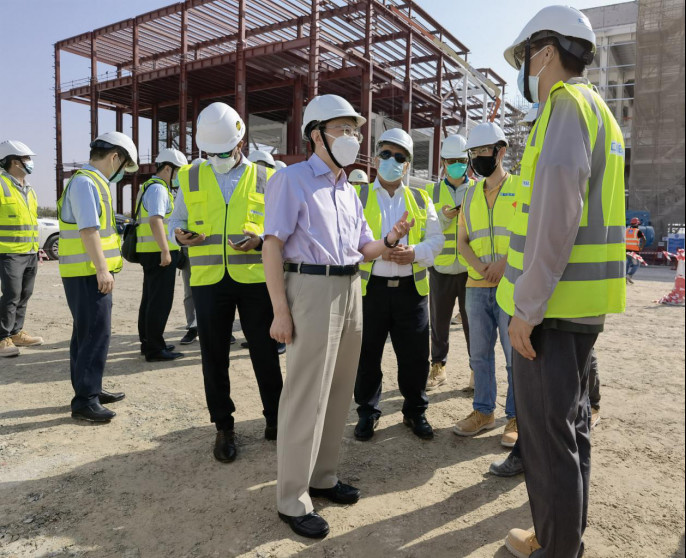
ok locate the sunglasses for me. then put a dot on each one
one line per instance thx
(220, 155)
(387, 154)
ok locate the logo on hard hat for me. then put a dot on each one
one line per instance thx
(238, 125)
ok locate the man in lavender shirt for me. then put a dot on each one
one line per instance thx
(316, 232)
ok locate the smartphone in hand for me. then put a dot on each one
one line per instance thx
(192, 233)
(242, 241)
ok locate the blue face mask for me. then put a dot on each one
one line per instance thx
(28, 166)
(117, 177)
(391, 171)
(457, 170)
(175, 182)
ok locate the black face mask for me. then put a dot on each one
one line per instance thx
(485, 166)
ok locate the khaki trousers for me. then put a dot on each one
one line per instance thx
(321, 368)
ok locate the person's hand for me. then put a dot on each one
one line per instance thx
(187, 239)
(482, 269)
(449, 213)
(282, 328)
(105, 281)
(386, 255)
(494, 272)
(402, 254)
(251, 244)
(165, 259)
(400, 229)
(520, 337)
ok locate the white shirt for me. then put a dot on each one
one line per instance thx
(392, 209)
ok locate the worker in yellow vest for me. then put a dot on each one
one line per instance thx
(448, 276)
(482, 240)
(395, 288)
(157, 255)
(90, 255)
(219, 215)
(18, 245)
(565, 271)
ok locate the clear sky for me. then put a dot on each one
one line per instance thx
(31, 27)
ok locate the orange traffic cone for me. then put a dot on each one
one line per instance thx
(677, 296)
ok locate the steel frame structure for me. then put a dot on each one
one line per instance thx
(269, 58)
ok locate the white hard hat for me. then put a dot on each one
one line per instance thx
(328, 107)
(120, 140)
(454, 147)
(358, 177)
(486, 133)
(279, 165)
(531, 115)
(563, 20)
(16, 148)
(399, 137)
(173, 156)
(219, 129)
(259, 155)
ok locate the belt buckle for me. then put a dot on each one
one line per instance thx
(328, 268)
(393, 283)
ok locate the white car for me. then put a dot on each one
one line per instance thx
(48, 236)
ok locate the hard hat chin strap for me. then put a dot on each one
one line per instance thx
(527, 61)
(322, 133)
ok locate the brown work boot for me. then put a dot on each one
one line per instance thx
(510, 434)
(437, 376)
(474, 423)
(521, 543)
(7, 348)
(595, 417)
(23, 339)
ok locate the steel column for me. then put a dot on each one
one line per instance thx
(94, 87)
(59, 169)
(436, 155)
(134, 111)
(195, 152)
(407, 97)
(295, 139)
(154, 133)
(241, 72)
(183, 85)
(313, 77)
(367, 92)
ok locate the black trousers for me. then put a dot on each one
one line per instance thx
(215, 308)
(17, 277)
(403, 313)
(445, 289)
(156, 300)
(551, 395)
(90, 338)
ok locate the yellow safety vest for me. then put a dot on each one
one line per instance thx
(487, 227)
(145, 241)
(440, 196)
(73, 257)
(592, 283)
(416, 202)
(210, 215)
(18, 219)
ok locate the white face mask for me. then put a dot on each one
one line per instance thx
(345, 149)
(533, 80)
(222, 166)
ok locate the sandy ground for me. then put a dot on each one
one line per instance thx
(147, 484)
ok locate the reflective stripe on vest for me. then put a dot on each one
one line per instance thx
(440, 196)
(145, 241)
(416, 202)
(633, 242)
(18, 219)
(487, 228)
(209, 214)
(592, 283)
(73, 258)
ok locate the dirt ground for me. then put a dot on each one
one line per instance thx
(146, 485)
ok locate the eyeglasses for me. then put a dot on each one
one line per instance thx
(387, 154)
(220, 155)
(479, 151)
(347, 131)
(462, 160)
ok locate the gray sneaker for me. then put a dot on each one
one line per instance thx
(508, 467)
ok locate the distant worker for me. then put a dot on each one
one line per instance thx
(448, 276)
(18, 245)
(90, 253)
(565, 271)
(483, 239)
(263, 158)
(635, 241)
(219, 215)
(358, 178)
(395, 289)
(157, 255)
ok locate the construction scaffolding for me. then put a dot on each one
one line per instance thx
(657, 155)
(390, 59)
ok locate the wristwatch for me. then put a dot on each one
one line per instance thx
(388, 244)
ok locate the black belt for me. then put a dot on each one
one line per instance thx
(391, 281)
(314, 269)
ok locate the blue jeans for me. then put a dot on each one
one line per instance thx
(632, 266)
(486, 318)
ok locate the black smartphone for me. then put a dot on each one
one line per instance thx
(455, 208)
(192, 233)
(242, 241)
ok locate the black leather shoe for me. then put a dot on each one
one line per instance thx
(232, 341)
(168, 348)
(509, 467)
(365, 428)
(420, 426)
(163, 356)
(108, 397)
(281, 348)
(225, 446)
(312, 525)
(339, 494)
(190, 336)
(244, 344)
(94, 413)
(270, 432)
